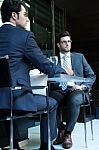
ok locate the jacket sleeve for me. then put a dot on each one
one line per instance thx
(88, 72)
(34, 54)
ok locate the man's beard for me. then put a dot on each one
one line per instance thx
(65, 50)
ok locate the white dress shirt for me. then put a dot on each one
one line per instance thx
(68, 57)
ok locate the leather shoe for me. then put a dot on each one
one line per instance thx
(59, 139)
(67, 141)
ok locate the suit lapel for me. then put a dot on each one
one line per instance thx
(72, 60)
(59, 61)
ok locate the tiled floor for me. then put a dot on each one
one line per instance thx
(77, 136)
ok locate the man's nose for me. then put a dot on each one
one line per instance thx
(28, 20)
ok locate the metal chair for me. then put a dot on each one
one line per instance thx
(8, 112)
(85, 113)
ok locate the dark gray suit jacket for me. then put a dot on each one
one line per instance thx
(81, 68)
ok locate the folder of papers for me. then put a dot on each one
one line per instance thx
(38, 79)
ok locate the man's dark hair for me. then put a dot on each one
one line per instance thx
(63, 34)
(9, 6)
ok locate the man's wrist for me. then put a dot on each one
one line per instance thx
(84, 87)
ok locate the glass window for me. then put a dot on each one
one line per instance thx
(40, 15)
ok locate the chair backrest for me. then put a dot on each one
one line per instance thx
(5, 77)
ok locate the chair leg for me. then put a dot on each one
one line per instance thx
(49, 135)
(11, 134)
(91, 122)
(85, 134)
(84, 113)
(92, 129)
(11, 123)
(85, 129)
(49, 139)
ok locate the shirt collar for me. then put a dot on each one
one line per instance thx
(9, 23)
(66, 54)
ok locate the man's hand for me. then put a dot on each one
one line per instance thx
(77, 87)
(69, 71)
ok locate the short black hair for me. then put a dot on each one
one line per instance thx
(9, 6)
(62, 34)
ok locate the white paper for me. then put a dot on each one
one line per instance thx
(38, 79)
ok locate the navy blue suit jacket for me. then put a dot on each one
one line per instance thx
(23, 51)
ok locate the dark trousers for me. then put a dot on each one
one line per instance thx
(72, 101)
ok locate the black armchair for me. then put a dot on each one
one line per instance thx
(6, 111)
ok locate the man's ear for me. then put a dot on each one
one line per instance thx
(14, 15)
(58, 45)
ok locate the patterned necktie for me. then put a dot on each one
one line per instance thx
(66, 64)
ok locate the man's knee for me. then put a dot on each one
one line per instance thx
(76, 100)
(53, 103)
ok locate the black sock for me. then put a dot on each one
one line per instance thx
(67, 132)
(61, 126)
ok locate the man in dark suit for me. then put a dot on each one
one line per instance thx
(71, 95)
(22, 49)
